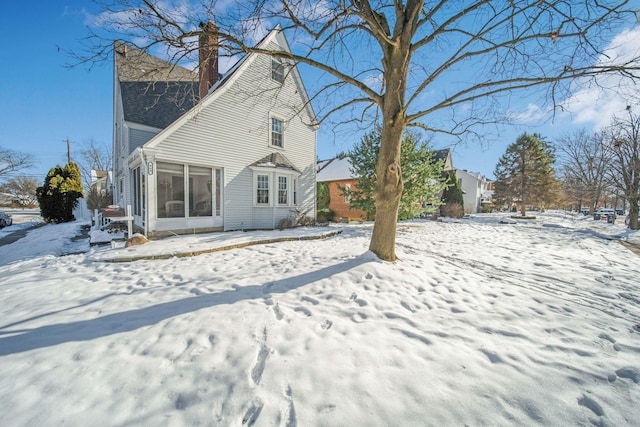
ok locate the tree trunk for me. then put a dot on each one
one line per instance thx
(388, 174)
(633, 213)
(388, 192)
(396, 45)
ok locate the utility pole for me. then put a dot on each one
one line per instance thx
(68, 151)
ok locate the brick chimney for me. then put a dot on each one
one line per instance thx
(208, 57)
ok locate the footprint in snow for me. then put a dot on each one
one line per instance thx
(251, 415)
(289, 413)
(261, 359)
(591, 404)
(277, 311)
(303, 310)
(310, 300)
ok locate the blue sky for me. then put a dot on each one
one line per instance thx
(43, 102)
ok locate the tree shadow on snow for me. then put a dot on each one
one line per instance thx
(85, 330)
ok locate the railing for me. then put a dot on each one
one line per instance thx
(100, 221)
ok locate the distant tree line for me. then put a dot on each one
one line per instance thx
(594, 168)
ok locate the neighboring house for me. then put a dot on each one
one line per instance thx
(212, 152)
(101, 181)
(475, 189)
(444, 154)
(336, 173)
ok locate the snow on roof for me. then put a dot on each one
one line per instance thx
(334, 170)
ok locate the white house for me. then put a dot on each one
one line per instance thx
(240, 154)
(474, 188)
(101, 181)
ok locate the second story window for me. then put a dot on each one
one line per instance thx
(277, 137)
(277, 70)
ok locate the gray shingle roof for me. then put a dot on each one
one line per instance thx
(157, 104)
(154, 92)
(135, 65)
(441, 154)
(275, 160)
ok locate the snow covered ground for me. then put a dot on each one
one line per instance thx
(478, 323)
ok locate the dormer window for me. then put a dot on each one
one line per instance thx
(277, 70)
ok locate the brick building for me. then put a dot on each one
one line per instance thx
(335, 172)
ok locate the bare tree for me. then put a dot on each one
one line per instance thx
(624, 145)
(585, 163)
(22, 189)
(406, 63)
(93, 156)
(13, 161)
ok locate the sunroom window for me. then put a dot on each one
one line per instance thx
(170, 190)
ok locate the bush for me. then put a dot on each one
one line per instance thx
(452, 210)
(98, 199)
(324, 215)
(60, 193)
(322, 194)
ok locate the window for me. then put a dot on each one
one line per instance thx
(170, 190)
(347, 196)
(283, 198)
(200, 195)
(135, 191)
(277, 70)
(295, 191)
(218, 191)
(276, 132)
(262, 194)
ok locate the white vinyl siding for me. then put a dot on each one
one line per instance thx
(138, 137)
(232, 132)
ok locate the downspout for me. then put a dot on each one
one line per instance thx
(146, 193)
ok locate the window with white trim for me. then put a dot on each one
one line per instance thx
(277, 132)
(218, 190)
(347, 196)
(200, 194)
(277, 70)
(262, 189)
(294, 189)
(283, 196)
(170, 190)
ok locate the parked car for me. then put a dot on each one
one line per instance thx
(5, 220)
(605, 211)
